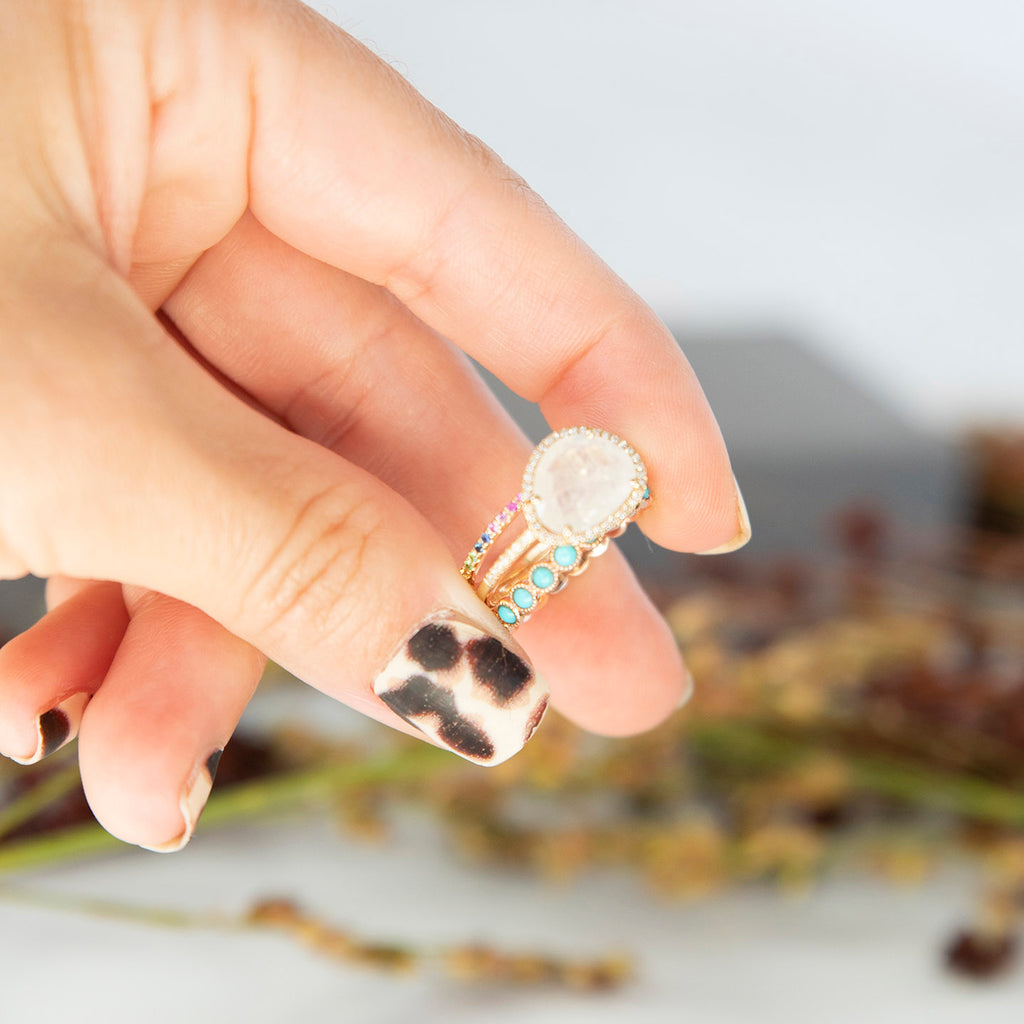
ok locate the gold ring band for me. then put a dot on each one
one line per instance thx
(581, 486)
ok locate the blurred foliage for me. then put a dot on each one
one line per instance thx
(864, 711)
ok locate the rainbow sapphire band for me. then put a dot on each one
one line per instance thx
(489, 536)
(581, 487)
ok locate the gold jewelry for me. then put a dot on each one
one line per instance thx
(581, 487)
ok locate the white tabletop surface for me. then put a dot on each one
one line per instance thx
(855, 952)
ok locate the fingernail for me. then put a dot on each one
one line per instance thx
(192, 802)
(470, 688)
(687, 693)
(742, 536)
(57, 727)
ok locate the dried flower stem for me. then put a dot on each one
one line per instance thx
(40, 796)
(111, 910)
(750, 745)
(756, 746)
(269, 795)
(474, 963)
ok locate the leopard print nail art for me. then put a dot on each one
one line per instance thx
(468, 688)
(57, 727)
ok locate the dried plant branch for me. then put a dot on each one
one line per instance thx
(45, 793)
(475, 962)
(763, 747)
(245, 801)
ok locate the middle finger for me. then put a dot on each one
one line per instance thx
(341, 362)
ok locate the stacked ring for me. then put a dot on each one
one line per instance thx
(581, 487)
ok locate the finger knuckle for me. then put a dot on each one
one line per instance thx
(309, 581)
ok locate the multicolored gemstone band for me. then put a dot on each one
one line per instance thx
(581, 486)
(489, 536)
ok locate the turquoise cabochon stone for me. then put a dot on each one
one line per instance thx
(542, 577)
(565, 555)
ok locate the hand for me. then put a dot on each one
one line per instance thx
(241, 260)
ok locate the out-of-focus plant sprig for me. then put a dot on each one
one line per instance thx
(864, 711)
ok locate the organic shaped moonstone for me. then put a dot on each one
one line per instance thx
(580, 481)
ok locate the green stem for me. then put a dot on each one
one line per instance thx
(32, 801)
(737, 744)
(750, 745)
(163, 916)
(247, 800)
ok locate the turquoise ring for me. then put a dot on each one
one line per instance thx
(581, 487)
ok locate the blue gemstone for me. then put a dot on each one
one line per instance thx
(506, 614)
(486, 537)
(478, 546)
(565, 555)
(542, 577)
(647, 493)
(522, 597)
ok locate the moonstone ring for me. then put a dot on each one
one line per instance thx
(581, 487)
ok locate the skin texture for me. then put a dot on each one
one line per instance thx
(242, 263)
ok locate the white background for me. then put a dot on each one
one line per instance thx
(856, 952)
(852, 172)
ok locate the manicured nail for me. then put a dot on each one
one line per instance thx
(687, 693)
(742, 535)
(468, 687)
(192, 802)
(57, 727)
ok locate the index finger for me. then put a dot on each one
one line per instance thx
(351, 165)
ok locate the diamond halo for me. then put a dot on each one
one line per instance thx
(581, 487)
(581, 530)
